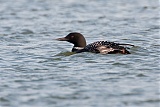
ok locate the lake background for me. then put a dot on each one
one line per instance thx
(37, 71)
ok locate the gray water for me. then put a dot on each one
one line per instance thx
(38, 71)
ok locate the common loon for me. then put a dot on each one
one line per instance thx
(103, 47)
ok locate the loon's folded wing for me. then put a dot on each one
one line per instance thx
(104, 49)
(111, 50)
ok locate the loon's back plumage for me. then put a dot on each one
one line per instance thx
(103, 47)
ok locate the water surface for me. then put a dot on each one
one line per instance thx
(37, 71)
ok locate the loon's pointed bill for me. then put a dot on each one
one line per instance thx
(62, 39)
(103, 47)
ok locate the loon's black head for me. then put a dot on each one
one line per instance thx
(76, 38)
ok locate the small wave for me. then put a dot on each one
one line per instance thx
(65, 54)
